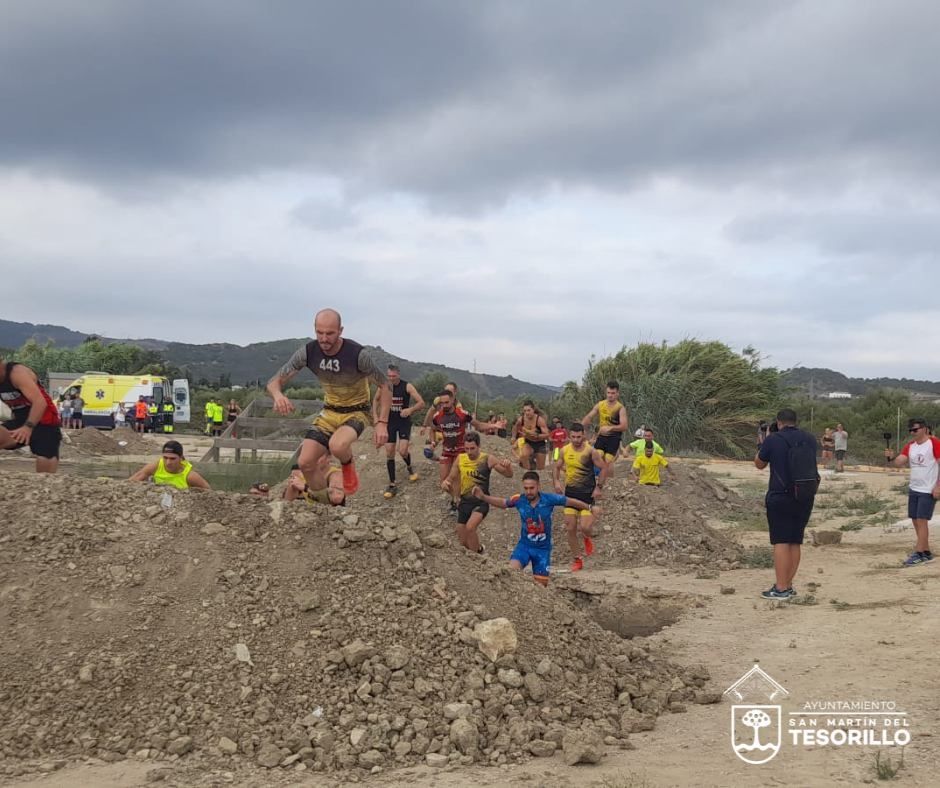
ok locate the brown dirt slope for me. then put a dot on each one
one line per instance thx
(263, 633)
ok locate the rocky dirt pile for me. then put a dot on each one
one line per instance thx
(260, 634)
(90, 442)
(663, 526)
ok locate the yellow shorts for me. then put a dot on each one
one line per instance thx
(576, 512)
(328, 421)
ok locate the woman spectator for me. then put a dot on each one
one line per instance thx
(828, 444)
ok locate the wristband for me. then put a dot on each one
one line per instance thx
(29, 424)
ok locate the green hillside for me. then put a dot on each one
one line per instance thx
(258, 361)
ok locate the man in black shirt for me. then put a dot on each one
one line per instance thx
(406, 400)
(786, 516)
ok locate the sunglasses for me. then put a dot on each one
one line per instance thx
(915, 429)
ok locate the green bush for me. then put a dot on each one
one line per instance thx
(697, 396)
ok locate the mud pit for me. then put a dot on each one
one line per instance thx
(628, 613)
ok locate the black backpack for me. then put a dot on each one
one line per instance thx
(802, 473)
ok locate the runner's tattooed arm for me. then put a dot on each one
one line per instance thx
(275, 385)
(369, 370)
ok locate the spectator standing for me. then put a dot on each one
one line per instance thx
(921, 454)
(841, 445)
(794, 477)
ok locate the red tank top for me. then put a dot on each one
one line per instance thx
(17, 402)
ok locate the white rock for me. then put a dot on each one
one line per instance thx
(496, 636)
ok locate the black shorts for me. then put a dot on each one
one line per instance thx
(502, 433)
(45, 440)
(399, 430)
(786, 518)
(608, 444)
(580, 494)
(77, 416)
(840, 454)
(539, 447)
(468, 506)
(920, 505)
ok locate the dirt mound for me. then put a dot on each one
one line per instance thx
(90, 442)
(255, 633)
(643, 525)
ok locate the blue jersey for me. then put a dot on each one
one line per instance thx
(536, 520)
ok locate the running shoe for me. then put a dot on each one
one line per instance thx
(577, 565)
(588, 545)
(350, 479)
(413, 477)
(391, 491)
(774, 593)
(927, 555)
(428, 453)
(914, 559)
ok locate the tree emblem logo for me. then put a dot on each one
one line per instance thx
(756, 729)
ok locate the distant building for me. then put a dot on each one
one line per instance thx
(839, 395)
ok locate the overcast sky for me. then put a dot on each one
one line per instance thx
(522, 184)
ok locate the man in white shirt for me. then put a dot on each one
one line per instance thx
(841, 438)
(922, 455)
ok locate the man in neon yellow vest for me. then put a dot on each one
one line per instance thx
(171, 470)
(168, 410)
(218, 417)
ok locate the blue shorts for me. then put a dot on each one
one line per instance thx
(920, 505)
(540, 558)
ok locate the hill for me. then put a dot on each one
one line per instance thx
(818, 382)
(259, 360)
(12, 335)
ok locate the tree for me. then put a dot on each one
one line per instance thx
(116, 358)
(430, 385)
(756, 719)
(696, 395)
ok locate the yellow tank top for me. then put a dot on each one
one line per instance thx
(579, 467)
(608, 415)
(474, 472)
(178, 480)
